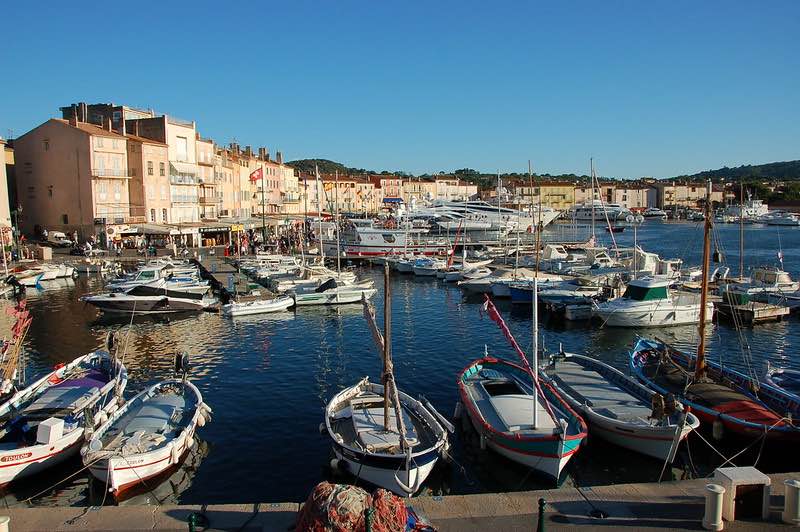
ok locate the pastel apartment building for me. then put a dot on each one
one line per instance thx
(73, 176)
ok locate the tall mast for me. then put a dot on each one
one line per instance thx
(319, 208)
(338, 243)
(591, 178)
(535, 309)
(700, 366)
(741, 228)
(387, 346)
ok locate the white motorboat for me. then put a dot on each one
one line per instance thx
(618, 409)
(764, 281)
(330, 293)
(155, 297)
(44, 424)
(650, 302)
(427, 267)
(654, 212)
(600, 211)
(780, 218)
(260, 306)
(149, 435)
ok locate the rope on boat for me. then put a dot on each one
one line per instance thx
(87, 466)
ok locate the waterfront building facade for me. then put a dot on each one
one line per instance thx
(72, 176)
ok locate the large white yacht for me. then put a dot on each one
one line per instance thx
(482, 216)
(614, 211)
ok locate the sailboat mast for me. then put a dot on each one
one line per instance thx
(319, 208)
(700, 366)
(591, 178)
(741, 228)
(338, 241)
(387, 346)
(535, 310)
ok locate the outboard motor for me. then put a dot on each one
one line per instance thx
(19, 289)
(182, 364)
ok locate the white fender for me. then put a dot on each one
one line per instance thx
(175, 454)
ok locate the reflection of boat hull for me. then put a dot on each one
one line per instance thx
(112, 303)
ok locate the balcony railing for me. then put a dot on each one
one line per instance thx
(111, 219)
(182, 179)
(208, 200)
(177, 198)
(207, 182)
(122, 173)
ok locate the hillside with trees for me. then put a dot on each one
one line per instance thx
(780, 171)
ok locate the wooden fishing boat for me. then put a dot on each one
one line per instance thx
(498, 399)
(261, 306)
(44, 424)
(618, 409)
(380, 434)
(726, 399)
(148, 435)
(725, 396)
(356, 422)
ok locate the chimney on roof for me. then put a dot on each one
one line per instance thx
(107, 124)
(262, 153)
(73, 116)
(279, 157)
(83, 112)
(248, 150)
(136, 127)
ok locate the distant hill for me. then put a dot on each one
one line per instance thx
(325, 167)
(786, 171)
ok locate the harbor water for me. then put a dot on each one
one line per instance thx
(268, 377)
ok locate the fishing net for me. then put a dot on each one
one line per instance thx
(343, 508)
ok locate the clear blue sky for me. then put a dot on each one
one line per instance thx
(647, 88)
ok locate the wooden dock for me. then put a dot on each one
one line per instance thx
(665, 506)
(751, 313)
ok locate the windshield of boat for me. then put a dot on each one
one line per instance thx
(645, 293)
(146, 274)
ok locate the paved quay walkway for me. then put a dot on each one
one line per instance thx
(666, 506)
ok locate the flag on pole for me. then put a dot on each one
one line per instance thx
(258, 174)
(495, 316)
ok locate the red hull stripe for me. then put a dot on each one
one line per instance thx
(39, 459)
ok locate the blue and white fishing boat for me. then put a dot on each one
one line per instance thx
(148, 436)
(45, 423)
(618, 409)
(515, 412)
(380, 434)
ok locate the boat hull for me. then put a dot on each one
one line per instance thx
(338, 298)
(664, 316)
(249, 309)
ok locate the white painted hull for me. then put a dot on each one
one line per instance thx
(547, 466)
(477, 286)
(451, 277)
(657, 442)
(425, 271)
(405, 267)
(26, 461)
(257, 307)
(332, 298)
(664, 315)
(125, 473)
(386, 478)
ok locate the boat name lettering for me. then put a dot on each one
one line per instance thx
(15, 457)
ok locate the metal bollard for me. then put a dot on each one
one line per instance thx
(4, 523)
(791, 504)
(540, 524)
(712, 520)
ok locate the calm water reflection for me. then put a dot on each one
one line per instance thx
(268, 377)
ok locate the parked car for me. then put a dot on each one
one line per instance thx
(58, 239)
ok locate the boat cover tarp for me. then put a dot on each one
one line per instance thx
(327, 285)
(342, 508)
